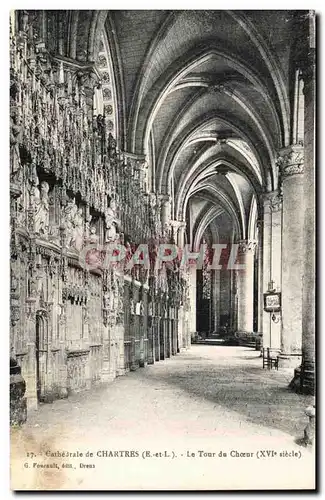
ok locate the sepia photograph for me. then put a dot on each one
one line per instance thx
(162, 250)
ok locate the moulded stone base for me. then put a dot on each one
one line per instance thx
(289, 360)
(295, 382)
(304, 380)
(107, 376)
(308, 378)
(32, 403)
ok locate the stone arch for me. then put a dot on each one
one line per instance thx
(222, 200)
(87, 31)
(270, 60)
(252, 219)
(203, 223)
(208, 169)
(164, 176)
(267, 140)
(172, 77)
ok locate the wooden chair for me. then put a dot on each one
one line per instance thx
(270, 358)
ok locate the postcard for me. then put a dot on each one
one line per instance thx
(162, 239)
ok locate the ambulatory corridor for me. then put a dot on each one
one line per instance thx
(215, 399)
(162, 249)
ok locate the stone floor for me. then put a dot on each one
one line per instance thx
(212, 399)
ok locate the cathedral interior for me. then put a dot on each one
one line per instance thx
(188, 129)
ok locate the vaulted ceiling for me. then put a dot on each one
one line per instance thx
(206, 96)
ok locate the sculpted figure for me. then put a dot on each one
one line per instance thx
(40, 201)
(14, 280)
(111, 146)
(15, 132)
(33, 286)
(93, 255)
(111, 222)
(32, 178)
(69, 213)
(78, 229)
(93, 238)
(150, 309)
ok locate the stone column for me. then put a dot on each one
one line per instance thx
(62, 323)
(272, 248)
(120, 369)
(176, 329)
(174, 332)
(156, 320)
(165, 210)
(233, 302)
(15, 300)
(192, 296)
(143, 333)
(246, 252)
(151, 336)
(132, 326)
(180, 327)
(225, 296)
(291, 163)
(181, 234)
(162, 337)
(307, 379)
(106, 374)
(260, 276)
(30, 373)
(216, 298)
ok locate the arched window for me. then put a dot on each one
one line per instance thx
(105, 98)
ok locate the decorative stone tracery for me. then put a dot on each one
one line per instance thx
(72, 186)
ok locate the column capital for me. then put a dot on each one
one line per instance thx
(291, 160)
(134, 157)
(164, 198)
(247, 246)
(178, 224)
(272, 201)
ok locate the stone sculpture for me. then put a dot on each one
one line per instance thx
(40, 203)
(69, 214)
(77, 230)
(93, 238)
(15, 133)
(111, 222)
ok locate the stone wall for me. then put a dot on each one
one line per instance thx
(76, 321)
